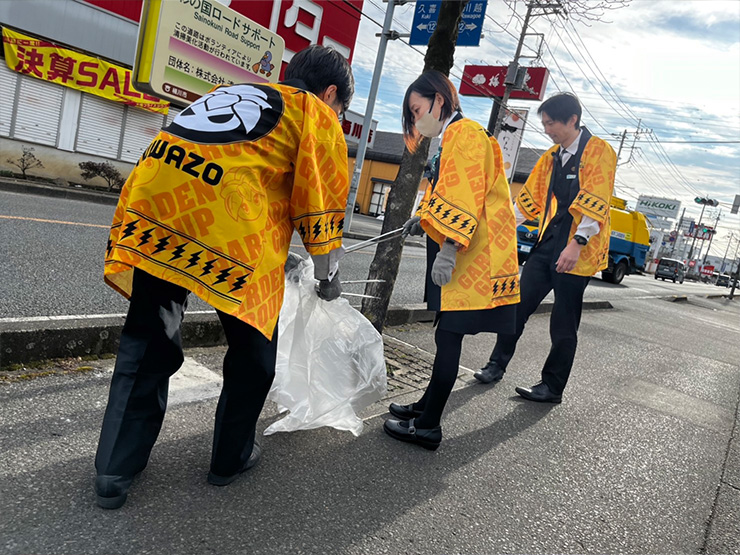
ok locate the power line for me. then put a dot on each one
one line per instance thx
(629, 120)
(572, 88)
(690, 142)
(662, 156)
(604, 79)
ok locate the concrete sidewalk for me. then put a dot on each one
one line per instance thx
(641, 457)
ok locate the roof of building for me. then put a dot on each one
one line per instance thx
(389, 147)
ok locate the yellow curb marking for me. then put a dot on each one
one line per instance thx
(53, 221)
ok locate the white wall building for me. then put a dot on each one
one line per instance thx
(67, 126)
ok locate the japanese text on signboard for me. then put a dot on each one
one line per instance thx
(47, 61)
(186, 47)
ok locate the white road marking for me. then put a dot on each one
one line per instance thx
(29, 319)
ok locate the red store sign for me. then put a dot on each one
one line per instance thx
(489, 81)
(300, 22)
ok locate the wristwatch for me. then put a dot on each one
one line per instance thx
(580, 239)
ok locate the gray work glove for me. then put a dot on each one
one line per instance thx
(329, 289)
(443, 265)
(412, 227)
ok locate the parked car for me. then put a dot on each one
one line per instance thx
(669, 268)
(723, 280)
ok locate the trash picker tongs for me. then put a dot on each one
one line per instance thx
(375, 240)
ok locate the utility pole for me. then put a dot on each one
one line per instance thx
(722, 266)
(693, 241)
(621, 143)
(623, 136)
(678, 231)
(736, 274)
(385, 36)
(512, 78)
(711, 236)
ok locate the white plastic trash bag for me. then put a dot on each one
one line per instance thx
(330, 362)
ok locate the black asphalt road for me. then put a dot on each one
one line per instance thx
(52, 263)
(53, 259)
(639, 459)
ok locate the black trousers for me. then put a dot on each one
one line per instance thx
(537, 280)
(150, 352)
(444, 374)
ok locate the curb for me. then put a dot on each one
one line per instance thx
(719, 296)
(19, 186)
(25, 340)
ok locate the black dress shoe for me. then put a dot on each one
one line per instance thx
(404, 412)
(540, 393)
(407, 431)
(254, 457)
(490, 373)
(112, 491)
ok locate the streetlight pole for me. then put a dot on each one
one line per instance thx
(385, 36)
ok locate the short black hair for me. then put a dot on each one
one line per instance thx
(561, 107)
(428, 84)
(321, 66)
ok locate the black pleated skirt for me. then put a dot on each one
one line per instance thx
(501, 319)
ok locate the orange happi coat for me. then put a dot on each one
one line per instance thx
(212, 203)
(471, 204)
(596, 181)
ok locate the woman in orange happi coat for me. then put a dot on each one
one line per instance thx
(472, 279)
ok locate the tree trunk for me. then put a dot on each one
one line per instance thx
(440, 56)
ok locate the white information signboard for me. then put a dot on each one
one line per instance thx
(187, 47)
(510, 137)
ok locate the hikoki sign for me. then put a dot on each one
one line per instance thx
(655, 206)
(50, 62)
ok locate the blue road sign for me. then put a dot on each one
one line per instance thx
(425, 22)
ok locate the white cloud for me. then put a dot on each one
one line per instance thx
(676, 65)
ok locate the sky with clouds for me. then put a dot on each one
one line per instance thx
(670, 66)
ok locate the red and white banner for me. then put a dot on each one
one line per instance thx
(489, 81)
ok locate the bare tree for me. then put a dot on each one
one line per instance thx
(440, 56)
(578, 11)
(26, 162)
